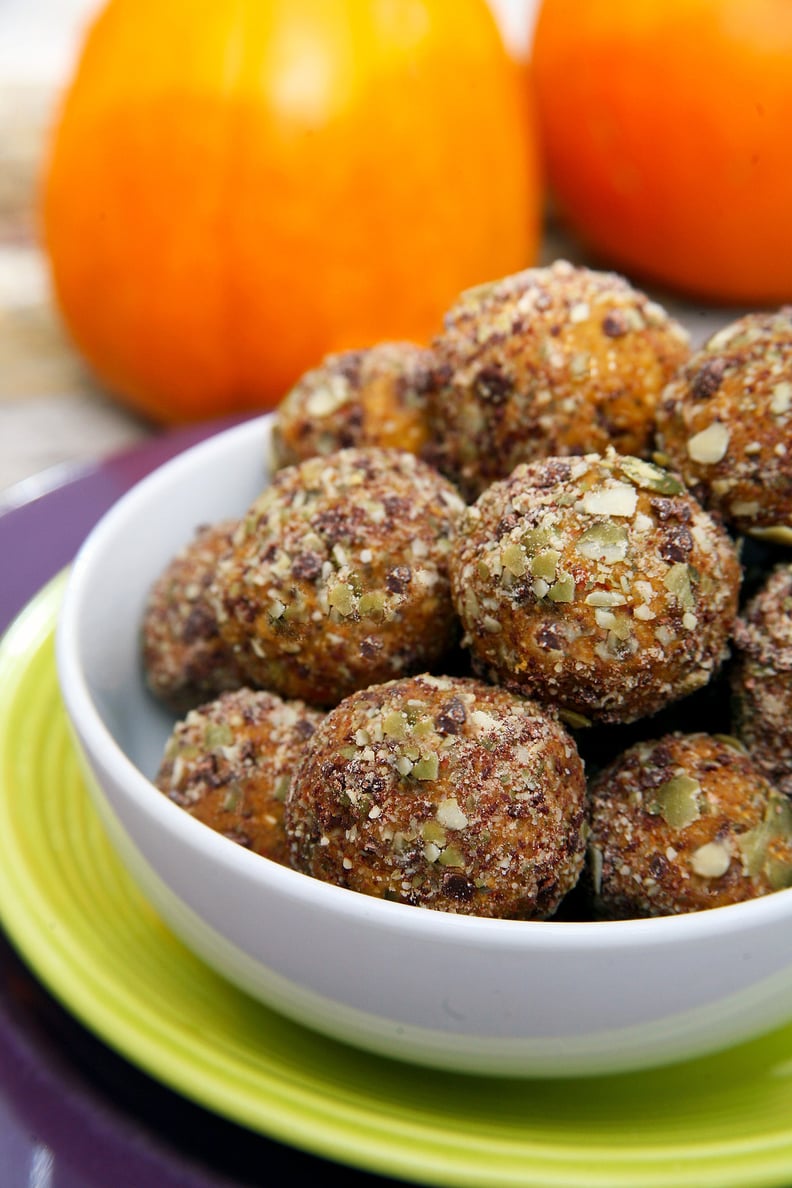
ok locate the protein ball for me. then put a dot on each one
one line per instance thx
(230, 762)
(374, 397)
(338, 575)
(184, 658)
(549, 362)
(596, 583)
(725, 423)
(684, 823)
(761, 678)
(443, 793)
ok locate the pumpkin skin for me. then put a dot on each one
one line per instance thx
(665, 129)
(236, 190)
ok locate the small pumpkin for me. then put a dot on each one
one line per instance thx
(236, 190)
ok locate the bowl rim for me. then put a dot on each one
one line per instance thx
(483, 932)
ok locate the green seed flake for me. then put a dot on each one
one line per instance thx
(603, 542)
(513, 559)
(342, 598)
(281, 788)
(451, 856)
(218, 734)
(232, 798)
(574, 719)
(536, 539)
(545, 564)
(650, 477)
(775, 827)
(426, 768)
(432, 831)
(563, 590)
(395, 724)
(677, 582)
(372, 603)
(779, 874)
(677, 801)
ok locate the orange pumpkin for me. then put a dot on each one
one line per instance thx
(667, 131)
(235, 190)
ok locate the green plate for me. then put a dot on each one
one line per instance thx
(83, 927)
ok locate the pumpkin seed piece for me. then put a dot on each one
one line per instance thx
(677, 801)
(451, 856)
(545, 564)
(563, 590)
(650, 477)
(677, 582)
(426, 768)
(603, 542)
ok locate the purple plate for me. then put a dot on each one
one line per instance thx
(74, 1114)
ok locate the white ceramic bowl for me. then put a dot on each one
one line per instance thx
(495, 996)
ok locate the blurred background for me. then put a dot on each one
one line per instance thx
(655, 141)
(51, 408)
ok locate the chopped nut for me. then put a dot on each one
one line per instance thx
(781, 399)
(711, 860)
(450, 815)
(710, 445)
(619, 499)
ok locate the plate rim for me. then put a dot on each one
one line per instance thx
(30, 632)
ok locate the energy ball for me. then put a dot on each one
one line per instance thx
(184, 658)
(725, 424)
(443, 793)
(230, 762)
(549, 362)
(338, 575)
(374, 397)
(684, 823)
(595, 583)
(761, 678)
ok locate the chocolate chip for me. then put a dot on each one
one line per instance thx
(307, 566)
(491, 384)
(458, 887)
(614, 324)
(398, 579)
(708, 378)
(200, 624)
(676, 544)
(451, 717)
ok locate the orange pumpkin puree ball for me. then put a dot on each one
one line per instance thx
(234, 191)
(665, 130)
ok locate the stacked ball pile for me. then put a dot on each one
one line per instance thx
(462, 652)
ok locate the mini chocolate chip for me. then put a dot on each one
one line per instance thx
(550, 638)
(708, 378)
(370, 646)
(657, 866)
(458, 887)
(200, 624)
(451, 717)
(667, 509)
(676, 545)
(307, 566)
(614, 324)
(491, 384)
(398, 579)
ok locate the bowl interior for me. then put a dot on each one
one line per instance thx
(132, 545)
